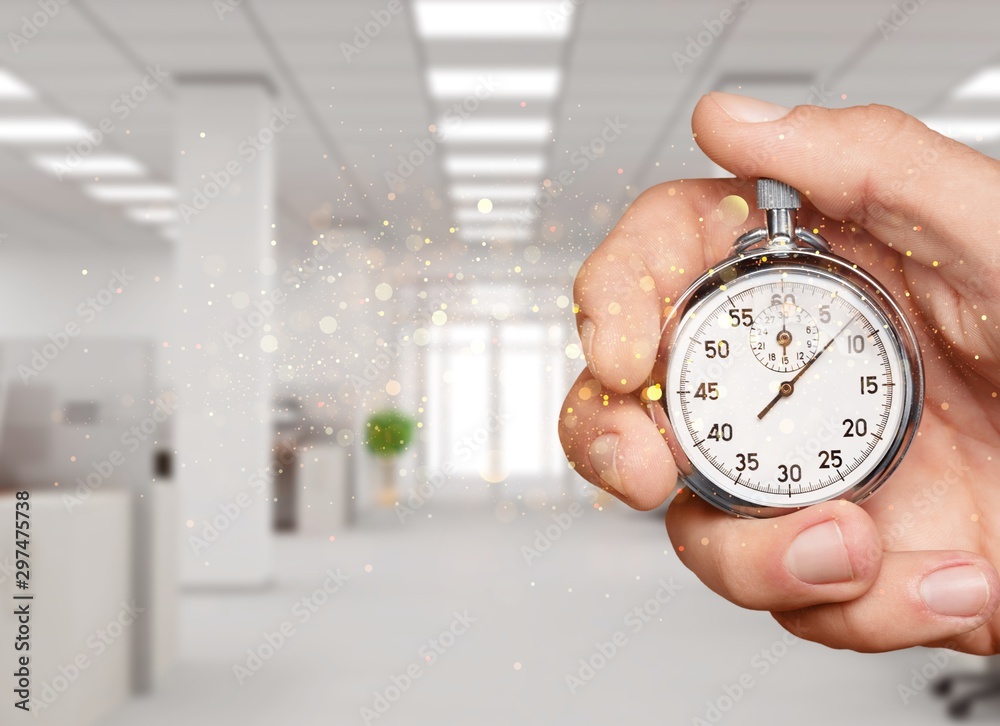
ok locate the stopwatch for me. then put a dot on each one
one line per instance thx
(791, 377)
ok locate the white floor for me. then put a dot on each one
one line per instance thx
(533, 624)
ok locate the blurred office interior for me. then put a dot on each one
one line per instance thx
(241, 238)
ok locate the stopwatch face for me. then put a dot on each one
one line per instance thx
(792, 379)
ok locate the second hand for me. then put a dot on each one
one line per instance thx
(787, 388)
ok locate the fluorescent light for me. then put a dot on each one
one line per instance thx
(152, 215)
(498, 214)
(497, 232)
(966, 129)
(98, 165)
(498, 131)
(131, 192)
(493, 165)
(40, 130)
(463, 19)
(13, 87)
(985, 84)
(486, 83)
(505, 192)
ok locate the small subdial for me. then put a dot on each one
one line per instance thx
(784, 337)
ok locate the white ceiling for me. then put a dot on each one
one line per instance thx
(358, 116)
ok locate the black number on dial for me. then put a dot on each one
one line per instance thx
(721, 432)
(709, 391)
(743, 316)
(855, 428)
(747, 461)
(786, 473)
(830, 459)
(716, 348)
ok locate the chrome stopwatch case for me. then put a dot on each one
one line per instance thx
(791, 376)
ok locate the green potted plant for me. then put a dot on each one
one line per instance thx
(389, 432)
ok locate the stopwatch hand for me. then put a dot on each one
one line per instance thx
(787, 388)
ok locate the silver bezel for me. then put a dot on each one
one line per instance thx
(819, 263)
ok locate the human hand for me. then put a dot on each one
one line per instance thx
(913, 565)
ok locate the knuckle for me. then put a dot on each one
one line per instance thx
(879, 124)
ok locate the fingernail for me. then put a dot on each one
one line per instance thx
(747, 109)
(587, 330)
(819, 556)
(603, 452)
(960, 592)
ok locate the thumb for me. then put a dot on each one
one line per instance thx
(915, 190)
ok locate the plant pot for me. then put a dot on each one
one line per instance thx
(389, 488)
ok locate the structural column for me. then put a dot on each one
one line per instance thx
(219, 352)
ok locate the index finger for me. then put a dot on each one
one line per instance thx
(669, 236)
(911, 187)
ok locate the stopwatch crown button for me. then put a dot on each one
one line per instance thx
(773, 194)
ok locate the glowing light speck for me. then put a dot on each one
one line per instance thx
(733, 210)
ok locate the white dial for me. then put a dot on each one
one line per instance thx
(782, 387)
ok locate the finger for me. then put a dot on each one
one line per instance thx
(666, 239)
(919, 598)
(612, 442)
(827, 553)
(872, 165)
